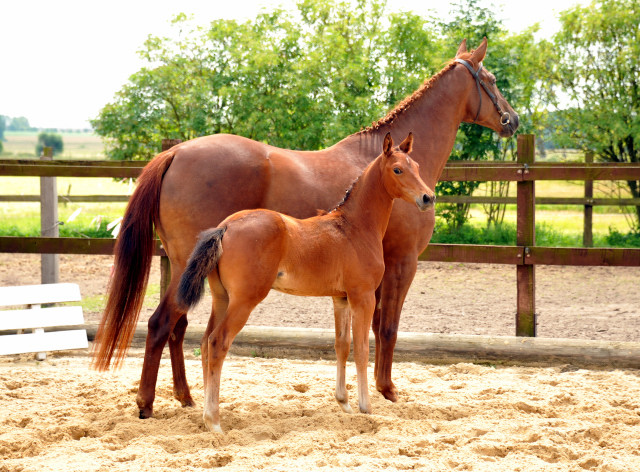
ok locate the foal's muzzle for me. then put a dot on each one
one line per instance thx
(425, 201)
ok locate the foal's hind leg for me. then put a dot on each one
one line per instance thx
(160, 326)
(342, 345)
(219, 342)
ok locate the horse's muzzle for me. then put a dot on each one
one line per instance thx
(509, 125)
(425, 201)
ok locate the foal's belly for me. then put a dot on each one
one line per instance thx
(306, 284)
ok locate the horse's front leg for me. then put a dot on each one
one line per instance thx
(160, 326)
(399, 273)
(362, 306)
(342, 345)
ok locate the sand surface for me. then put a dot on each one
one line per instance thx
(278, 414)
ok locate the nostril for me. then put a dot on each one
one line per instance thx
(426, 199)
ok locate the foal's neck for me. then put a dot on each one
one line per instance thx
(367, 207)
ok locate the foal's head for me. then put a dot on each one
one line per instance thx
(401, 174)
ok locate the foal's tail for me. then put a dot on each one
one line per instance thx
(133, 254)
(202, 261)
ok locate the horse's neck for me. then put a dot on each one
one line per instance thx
(433, 118)
(368, 208)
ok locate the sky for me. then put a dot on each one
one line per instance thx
(61, 61)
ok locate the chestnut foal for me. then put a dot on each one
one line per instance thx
(337, 254)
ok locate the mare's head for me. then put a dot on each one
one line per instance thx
(401, 174)
(486, 106)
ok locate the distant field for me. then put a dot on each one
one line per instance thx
(76, 145)
(564, 218)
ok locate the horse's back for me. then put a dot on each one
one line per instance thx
(215, 176)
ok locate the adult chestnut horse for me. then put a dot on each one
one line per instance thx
(198, 183)
(338, 254)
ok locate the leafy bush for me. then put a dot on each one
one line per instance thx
(617, 239)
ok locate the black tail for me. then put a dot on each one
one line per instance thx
(202, 261)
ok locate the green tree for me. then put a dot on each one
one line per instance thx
(598, 67)
(19, 124)
(3, 125)
(52, 140)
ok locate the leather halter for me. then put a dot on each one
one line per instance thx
(505, 118)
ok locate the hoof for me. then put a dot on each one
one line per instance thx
(145, 413)
(390, 394)
(365, 409)
(345, 407)
(187, 402)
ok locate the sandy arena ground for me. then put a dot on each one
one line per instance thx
(279, 414)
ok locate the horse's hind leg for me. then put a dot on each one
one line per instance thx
(342, 345)
(160, 326)
(180, 386)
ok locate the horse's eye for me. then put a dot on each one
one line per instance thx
(397, 170)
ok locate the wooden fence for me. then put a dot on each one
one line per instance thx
(525, 255)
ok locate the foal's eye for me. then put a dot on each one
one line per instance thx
(397, 170)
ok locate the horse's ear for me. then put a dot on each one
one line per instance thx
(462, 48)
(387, 145)
(407, 145)
(478, 55)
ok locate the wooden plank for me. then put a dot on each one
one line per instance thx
(472, 253)
(597, 171)
(41, 318)
(42, 342)
(525, 229)
(13, 244)
(66, 198)
(423, 347)
(39, 294)
(584, 256)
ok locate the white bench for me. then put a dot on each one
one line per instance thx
(37, 318)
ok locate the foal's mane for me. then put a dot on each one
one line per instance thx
(406, 103)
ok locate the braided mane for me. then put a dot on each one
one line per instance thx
(406, 103)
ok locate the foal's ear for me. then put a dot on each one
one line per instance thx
(462, 48)
(407, 145)
(478, 55)
(387, 145)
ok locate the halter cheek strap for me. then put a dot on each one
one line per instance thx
(505, 118)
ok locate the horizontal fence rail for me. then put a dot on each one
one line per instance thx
(475, 200)
(481, 171)
(525, 255)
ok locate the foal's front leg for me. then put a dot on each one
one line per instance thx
(362, 306)
(342, 345)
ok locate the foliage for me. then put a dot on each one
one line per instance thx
(3, 125)
(302, 79)
(598, 66)
(19, 124)
(51, 140)
(617, 239)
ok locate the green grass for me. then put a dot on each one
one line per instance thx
(22, 145)
(96, 303)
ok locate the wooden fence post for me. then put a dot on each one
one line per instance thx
(526, 238)
(49, 263)
(165, 265)
(587, 235)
